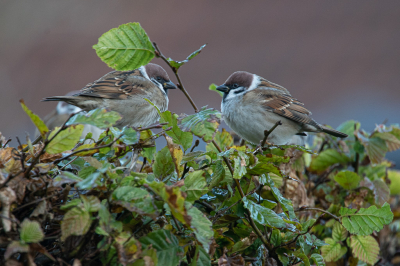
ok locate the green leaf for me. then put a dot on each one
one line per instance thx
(184, 139)
(201, 257)
(264, 168)
(276, 237)
(125, 48)
(128, 193)
(31, 232)
(65, 140)
(40, 125)
(203, 124)
(394, 176)
(107, 223)
(167, 245)
(303, 257)
(349, 127)
(263, 215)
(100, 118)
(213, 87)
(286, 204)
(380, 189)
(91, 203)
(347, 179)
(392, 142)
(240, 167)
(163, 163)
(365, 221)
(327, 158)
(129, 135)
(178, 64)
(195, 185)
(89, 181)
(339, 233)
(201, 226)
(365, 248)
(318, 259)
(375, 147)
(76, 222)
(224, 139)
(191, 156)
(333, 251)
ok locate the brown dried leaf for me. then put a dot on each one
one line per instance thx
(7, 197)
(15, 247)
(18, 184)
(236, 260)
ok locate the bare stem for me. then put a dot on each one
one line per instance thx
(180, 85)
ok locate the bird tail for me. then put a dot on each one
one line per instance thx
(333, 132)
(68, 99)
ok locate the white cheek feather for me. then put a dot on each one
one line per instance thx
(254, 83)
(64, 108)
(143, 72)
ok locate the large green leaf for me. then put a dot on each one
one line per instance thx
(76, 222)
(100, 118)
(394, 176)
(349, 127)
(365, 248)
(327, 158)
(201, 226)
(180, 137)
(125, 48)
(348, 179)
(40, 125)
(178, 64)
(167, 245)
(333, 251)
(365, 221)
(65, 140)
(203, 124)
(31, 232)
(195, 185)
(128, 193)
(163, 163)
(263, 215)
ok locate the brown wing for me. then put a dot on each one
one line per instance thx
(285, 105)
(117, 85)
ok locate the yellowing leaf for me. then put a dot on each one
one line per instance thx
(76, 222)
(333, 251)
(31, 232)
(41, 126)
(365, 248)
(86, 153)
(65, 140)
(348, 179)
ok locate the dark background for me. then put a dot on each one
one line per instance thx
(341, 58)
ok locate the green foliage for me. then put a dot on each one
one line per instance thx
(40, 125)
(125, 48)
(213, 87)
(123, 201)
(365, 221)
(97, 117)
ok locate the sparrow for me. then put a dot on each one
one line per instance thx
(61, 113)
(125, 93)
(251, 104)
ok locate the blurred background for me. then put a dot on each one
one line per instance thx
(341, 58)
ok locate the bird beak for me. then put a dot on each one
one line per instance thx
(169, 85)
(223, 88)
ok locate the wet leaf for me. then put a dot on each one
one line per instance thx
(125, 48)
(203, 124)
(263, 215)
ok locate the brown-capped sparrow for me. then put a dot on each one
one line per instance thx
(125, 93)
(61, 113)
(252, 104)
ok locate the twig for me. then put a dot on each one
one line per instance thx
(185, 168)
(88, 149)
(22, 155)
(151, 127)
(221, 212)
(266, 135)
(253, 225)
(5, 144)
(180, 85)
(31, 203)
(46, 142)
(302, 209)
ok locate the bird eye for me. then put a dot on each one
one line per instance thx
(235, 85)
(159, 78)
